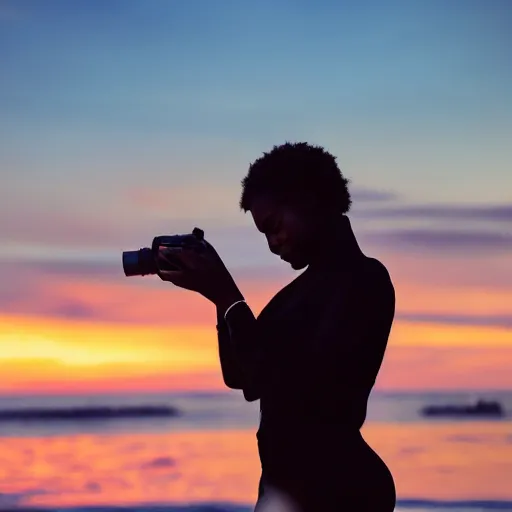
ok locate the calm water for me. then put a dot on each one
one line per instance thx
(206, 459)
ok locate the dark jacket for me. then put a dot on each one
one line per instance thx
(311, 357)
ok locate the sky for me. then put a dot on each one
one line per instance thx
(123, 120)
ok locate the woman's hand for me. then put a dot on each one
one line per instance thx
(202, 272)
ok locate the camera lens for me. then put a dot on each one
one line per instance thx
(139, 263)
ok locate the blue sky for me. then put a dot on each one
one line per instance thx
(132, 114)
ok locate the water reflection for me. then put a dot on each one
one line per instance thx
(429, 461)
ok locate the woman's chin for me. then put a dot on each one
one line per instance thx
(296, 264)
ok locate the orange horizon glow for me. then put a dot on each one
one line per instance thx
(136, 338)
(40, 354)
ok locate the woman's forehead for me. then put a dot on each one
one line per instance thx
(264, 209)
(265, 205)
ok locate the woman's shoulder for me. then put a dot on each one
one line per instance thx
(376, 283)
(364, 268)
(367, 276)
(374, 270)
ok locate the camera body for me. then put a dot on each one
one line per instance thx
(144, 261)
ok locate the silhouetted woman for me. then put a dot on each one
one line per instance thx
(312, 355)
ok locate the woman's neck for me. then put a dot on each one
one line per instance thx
(336, 243)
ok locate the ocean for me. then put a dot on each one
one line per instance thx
(205, 459)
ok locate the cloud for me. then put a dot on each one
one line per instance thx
(110, 268)
(85, 268)
(75, 309)
(131, 220)
(84, 287)
(160, 463)
(99, 292)
(437, 270)
(39, 225)
(500, 321)
(464, 213)
(239, 244)
(369, 195)
(128, 217)
(445, 368)
(462, 242)
(213, 200)
(16, 500)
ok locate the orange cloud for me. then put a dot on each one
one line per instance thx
(135, 301)
(418, 334)
(445, 368)
(151, 302)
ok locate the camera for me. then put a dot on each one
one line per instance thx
(144, 261)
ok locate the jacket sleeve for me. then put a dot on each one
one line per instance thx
(231, 370)
(246, 350)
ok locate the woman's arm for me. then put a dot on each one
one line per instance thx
(245, 344)
(241, 344)
(231, 370)
(240, 353)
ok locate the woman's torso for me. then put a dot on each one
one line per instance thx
(303, 448)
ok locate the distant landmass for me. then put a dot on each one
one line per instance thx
(89, 413)
(480, 408)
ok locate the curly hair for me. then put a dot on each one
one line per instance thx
(297, 170)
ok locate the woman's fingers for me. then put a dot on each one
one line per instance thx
(195, 269)
(191, 260)
(183, 258)
(173, 276)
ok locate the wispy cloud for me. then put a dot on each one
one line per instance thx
(460, 242)
(111, 269)
(48, 226)
(437, 270)
(464, 213)
(445, 368)
(135, 215)
(218, 199)
(369, 195)
(85, 268)
(500, 321)
(99, 292)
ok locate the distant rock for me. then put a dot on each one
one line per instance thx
(89, 413)
(480, 408)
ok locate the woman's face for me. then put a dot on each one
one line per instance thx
(289, 231)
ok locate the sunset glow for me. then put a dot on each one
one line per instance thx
(115, 130)
(84, 333)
